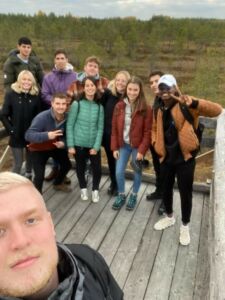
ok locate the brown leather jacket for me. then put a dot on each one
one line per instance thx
(187, 138)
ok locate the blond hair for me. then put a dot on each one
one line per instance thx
(9, 180)
(112, 83)
(17, 87)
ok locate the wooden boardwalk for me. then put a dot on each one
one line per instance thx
(147, 264)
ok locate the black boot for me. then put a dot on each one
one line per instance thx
(156, 195)
(112, 189)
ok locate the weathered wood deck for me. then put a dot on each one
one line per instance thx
(146, 263)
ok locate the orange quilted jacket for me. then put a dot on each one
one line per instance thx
(187, 138)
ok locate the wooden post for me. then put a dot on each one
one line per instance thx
(217, 217)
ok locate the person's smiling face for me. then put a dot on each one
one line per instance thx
(165, 93)
(133, 90)
(89, 89)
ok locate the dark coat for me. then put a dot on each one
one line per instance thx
(17, 114)
(109, 102)
(80, 280)
(14, 65)
(140, 128)
(42, 124)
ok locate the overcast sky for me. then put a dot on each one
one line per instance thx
(141, 9)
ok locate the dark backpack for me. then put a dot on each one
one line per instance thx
(98, 267)
(198, 131)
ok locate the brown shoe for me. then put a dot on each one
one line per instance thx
(52, 175)
(67, 180)
(62, 187)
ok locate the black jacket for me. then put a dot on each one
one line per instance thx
(109, 102)
(14, 65)
(83, 275)
(17, 113)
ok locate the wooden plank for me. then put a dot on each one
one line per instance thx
(47, 189)
(87, 220)
(186, 263)
(137, 280)
(64, 227)
(55, 198)
(165, 260)
(202, 273)
(103, 223)
(62, 207)
(123, 259)
(116, 232)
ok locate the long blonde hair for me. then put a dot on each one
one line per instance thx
(112, 83)
(16, 86)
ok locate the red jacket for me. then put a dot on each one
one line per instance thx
(140, 128)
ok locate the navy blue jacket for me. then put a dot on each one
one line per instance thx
(42, 124)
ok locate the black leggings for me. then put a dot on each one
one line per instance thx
(110, 158)
(185, 177)
(81, 156)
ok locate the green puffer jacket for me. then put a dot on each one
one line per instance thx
(13, 66)
(85, 124)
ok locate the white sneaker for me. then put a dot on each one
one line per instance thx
(184, 235)
(84, 194)
(95, 196)
(164, 223)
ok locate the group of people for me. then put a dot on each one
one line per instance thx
(65, 113)
(68, 113)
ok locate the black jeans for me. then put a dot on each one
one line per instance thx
(185, 177)
(81, 156)
(157, 169)
(106, 143)
(39, 160)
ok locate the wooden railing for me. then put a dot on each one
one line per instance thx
(216, 241)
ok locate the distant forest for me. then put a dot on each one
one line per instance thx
(192, 49)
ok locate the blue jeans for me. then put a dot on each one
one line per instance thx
(121, 163)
